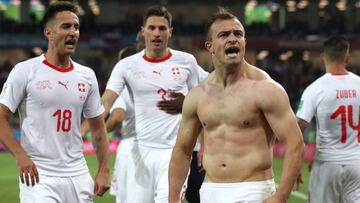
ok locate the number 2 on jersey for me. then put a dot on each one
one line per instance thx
(63, 120)
(344, 113)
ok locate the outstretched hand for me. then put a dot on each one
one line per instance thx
(173, 106)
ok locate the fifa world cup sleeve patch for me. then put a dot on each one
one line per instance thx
(301, 103)
(5, 89)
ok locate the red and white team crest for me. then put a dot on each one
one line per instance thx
(175, 71)
(81, 87)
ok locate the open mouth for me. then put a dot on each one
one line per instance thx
(70, 42)
(232, 51)
(157, 41)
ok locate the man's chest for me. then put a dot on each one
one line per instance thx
(55, 88)
(156, 78)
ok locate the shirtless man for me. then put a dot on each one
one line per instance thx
(242, 111)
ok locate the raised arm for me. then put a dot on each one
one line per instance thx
(26, 167)
(180, 160)
(101, 144)
(282, 120)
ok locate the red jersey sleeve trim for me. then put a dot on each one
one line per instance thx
(63, 70)
(157, 60)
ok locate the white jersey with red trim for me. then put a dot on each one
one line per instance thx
(125, 102)
(150, 81)
(335, 102)
(50, 102)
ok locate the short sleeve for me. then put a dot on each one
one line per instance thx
(14, 88)
(93, 106)
(307, 105)
(116, 81)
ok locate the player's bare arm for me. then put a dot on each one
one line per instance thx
(116, 117)
(101, 144)
(27, 169)
(277, 111)
(108, 99)
(180, 160)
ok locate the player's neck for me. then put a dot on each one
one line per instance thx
(227, 75)
(157, 54)
(336, 69)
(58, 60)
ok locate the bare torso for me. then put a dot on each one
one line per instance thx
(237, 140)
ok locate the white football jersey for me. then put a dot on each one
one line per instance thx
(125, 102)
(334, 100)
(150, 81)
(50, 102)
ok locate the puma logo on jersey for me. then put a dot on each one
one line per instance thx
(65, 85)
(156, 72)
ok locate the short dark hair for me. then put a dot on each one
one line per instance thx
(157, 11)
(336, 48)
(55, 8)
(221, 14)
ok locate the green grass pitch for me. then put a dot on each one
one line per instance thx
(9, 192)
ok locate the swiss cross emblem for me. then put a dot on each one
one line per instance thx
(81, 87)
(175, 71)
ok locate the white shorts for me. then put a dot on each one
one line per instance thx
(244, 192)
(147, 175)
(77, 189)
(334, 183)
(118, 181)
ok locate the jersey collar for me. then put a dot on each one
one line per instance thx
(63, 70)
(157, 60)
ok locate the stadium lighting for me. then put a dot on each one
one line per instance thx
(291, 5)
(341, 5)
(323, 3)
(306, 55)
(262, 55)
(303, 4)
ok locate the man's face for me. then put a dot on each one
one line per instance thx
(63, 32)
(227, 44)
(156, 32)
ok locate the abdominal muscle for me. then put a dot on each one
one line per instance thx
(237, 155)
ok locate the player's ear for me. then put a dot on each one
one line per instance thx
(142, 30)
(47, 32)
(209, 47)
